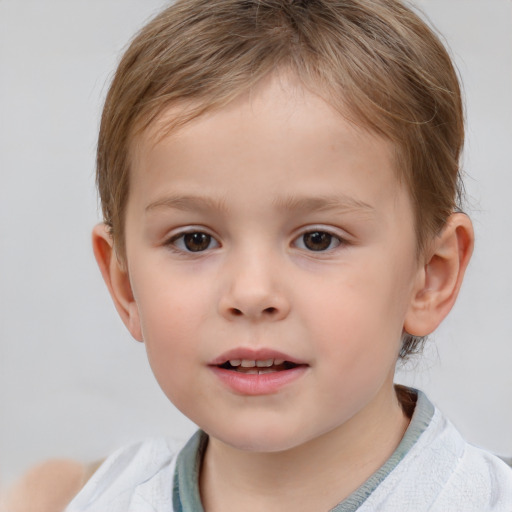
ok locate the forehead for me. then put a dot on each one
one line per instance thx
(278, 132)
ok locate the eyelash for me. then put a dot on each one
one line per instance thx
(178, 242)
(325, 237)
(330, 240)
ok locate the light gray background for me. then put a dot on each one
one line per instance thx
(72, 382)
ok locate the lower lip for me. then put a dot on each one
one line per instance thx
(258, 384)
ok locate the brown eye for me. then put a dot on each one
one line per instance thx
(196, 242)
(318, 241)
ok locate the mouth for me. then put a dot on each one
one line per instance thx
(251, 372)
(258, 366)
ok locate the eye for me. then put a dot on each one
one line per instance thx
(317, 241)
(194, 241)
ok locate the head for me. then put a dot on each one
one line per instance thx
(279, 180)
(375, 62)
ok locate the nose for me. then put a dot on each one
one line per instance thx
(253, 290)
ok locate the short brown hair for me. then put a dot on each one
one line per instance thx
(375, 61)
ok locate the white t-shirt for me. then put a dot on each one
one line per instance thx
(433, 469)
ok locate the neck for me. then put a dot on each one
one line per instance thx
(316, 475)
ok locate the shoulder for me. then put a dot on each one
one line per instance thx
(463, 475)
(441, 472)
(481, 479)
(475, 475)
(135, 478)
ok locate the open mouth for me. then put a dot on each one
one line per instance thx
(258, 367)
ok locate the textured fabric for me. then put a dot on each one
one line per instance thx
(423, 413)
(133, 479)
(186, 475)
(443, 473)
(433, 469)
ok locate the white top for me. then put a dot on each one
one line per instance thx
(433, 469)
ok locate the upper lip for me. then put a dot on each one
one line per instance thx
(250, 354)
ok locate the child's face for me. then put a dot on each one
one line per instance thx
(271, 229)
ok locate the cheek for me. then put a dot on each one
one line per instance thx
(168, 302)
(173, 317)
(359, 314)
(172, 347)
(356, 334)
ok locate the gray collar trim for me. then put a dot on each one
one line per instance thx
(186, 497)
(423, 412)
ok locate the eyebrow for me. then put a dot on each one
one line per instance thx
(189, 203)
(323, 203)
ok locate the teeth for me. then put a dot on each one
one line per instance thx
(256, 371)
(265, 364)
(253, 363)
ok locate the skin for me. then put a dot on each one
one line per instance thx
(47, 487)
(255, 180)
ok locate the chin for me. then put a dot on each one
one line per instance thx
(260, 438)
(267, 443)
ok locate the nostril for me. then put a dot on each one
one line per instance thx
(271, 311)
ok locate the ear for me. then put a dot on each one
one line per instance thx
(439, 280)
(117, 279)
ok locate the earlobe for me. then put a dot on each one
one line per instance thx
(439, 280)
(117, 279)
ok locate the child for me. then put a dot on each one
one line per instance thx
(279, 183)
